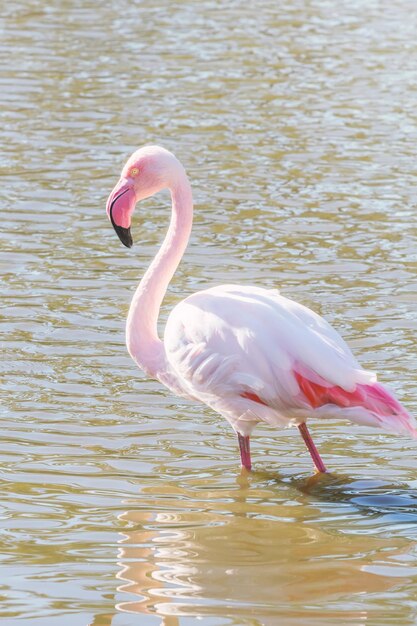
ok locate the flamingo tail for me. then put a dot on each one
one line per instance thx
(377, 405)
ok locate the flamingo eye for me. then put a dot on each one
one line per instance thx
(134, 171)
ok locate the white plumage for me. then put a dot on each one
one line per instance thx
(232, 339)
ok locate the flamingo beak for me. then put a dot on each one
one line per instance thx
(120, 206)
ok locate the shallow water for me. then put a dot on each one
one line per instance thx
(296, 121)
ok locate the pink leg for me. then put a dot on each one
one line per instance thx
(244, 445)
(318, 463)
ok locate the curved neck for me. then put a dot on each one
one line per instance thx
(142, 339)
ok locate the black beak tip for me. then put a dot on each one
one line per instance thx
(124, 235)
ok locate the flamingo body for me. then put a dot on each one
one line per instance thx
(247, 352)
(256, 356)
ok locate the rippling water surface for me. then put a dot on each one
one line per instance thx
(297, 123)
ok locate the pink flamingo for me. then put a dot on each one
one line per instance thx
(247, 352)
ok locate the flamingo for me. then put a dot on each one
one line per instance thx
(247, 352)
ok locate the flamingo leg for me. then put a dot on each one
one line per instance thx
(244, 446)
(318, 463)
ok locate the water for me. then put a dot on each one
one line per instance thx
(296, 121)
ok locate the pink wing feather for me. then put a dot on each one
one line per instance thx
(373, 398)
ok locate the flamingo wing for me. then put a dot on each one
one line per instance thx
(253, 355)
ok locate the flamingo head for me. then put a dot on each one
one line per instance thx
(147, 171)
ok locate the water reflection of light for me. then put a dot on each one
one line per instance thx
(230, 560)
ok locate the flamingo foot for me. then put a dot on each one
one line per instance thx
(318, 463)
(244, 446)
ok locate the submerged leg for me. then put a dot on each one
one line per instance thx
(244, 445)
(318, 463)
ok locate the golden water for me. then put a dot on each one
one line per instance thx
(297, 122)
